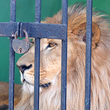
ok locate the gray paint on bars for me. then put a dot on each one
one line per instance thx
(64, 55)
(12, 58)
(88, 55)
(37, 56)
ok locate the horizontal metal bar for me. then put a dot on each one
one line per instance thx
(8, 28)
(88, 55)
(40, 30)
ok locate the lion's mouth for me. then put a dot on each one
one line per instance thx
(42, 85)
(45, 85)
(25, 81)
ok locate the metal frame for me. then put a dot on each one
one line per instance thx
(52, 31)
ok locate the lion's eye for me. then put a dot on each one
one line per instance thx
(51, 45)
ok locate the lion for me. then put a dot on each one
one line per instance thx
(50, 65)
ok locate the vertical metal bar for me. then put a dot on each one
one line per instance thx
(88, 55)
(65, 12)
(37, 56)
(12, 58)
(36, 75)
(64, 57)
(37, 11)
(12, 10)
(64, 75)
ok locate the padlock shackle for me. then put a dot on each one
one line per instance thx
(16, 35)
(26, 35)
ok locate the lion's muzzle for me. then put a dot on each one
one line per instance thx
(22, 68)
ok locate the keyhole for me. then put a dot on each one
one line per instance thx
(20, 50)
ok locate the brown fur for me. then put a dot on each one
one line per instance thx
(50, 65)
(4, 93)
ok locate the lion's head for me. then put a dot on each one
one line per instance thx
(50, 65)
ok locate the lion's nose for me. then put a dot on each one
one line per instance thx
(22, 68)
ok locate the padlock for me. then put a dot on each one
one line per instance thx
(21, 46)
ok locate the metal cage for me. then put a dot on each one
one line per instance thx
(51, 31)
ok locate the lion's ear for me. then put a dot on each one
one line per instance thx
(81, 32)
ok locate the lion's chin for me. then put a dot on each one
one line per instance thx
(28, 88)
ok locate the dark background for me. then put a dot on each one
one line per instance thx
(25, 12)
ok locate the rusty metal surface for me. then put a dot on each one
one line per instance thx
(20, 46)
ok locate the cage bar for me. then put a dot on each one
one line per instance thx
(12, 58)
(37, 56)
(37, 11)
(12, 10)
(64, 56)
(64, 75)
(36, 75)
(65, 12)
(88, 55)
(7, 28)
(41, 30)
